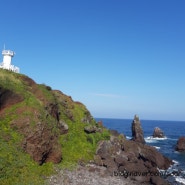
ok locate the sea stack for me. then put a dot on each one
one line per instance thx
(137, 132)
(158, 133)
(180, 147)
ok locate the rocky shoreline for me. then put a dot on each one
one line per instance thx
(119, 161)
(89, 175)
(51, 127)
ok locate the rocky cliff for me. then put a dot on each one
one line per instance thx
(40, 127)
(44, 123)
(180, 146)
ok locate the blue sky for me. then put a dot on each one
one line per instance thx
(118, 57)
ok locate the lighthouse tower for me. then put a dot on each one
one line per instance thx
(7, 59)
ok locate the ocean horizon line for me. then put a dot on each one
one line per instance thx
(163, 120)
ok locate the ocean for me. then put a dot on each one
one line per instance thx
(172, 130)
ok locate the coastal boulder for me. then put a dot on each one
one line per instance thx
(131, 159)
(90, 129)
(158, 133)
(63, 127)
(137, 132)
(114, 132)
(180, 144)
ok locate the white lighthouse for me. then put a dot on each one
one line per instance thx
(7, 59)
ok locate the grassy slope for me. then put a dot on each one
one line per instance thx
(16, 167)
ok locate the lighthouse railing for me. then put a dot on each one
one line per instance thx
(7, 52)
(10, 68)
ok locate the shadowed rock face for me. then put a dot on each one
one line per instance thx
(42, 145)
(8, 98)
(180, 144)
(137, 132)
(120, 155)
(158, 133)
(39, 141)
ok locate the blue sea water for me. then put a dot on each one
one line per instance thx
(172, 129)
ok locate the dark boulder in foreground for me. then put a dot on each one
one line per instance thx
(131, 159)
(90, 129)
(158, 133)
(180, 144)
(137, 132)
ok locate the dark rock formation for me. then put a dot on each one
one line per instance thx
(158, 133)
(131, 159)
(53, 110)
(63, 127)
(114, 132)
(137, 132)
(100, 123)
(87, 117)
(37, 119)
(39, 141)
(180, 144)
(90, 129)
(8, 98)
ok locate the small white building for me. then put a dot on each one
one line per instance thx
(7, 59)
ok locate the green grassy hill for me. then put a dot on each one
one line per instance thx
(41, 128)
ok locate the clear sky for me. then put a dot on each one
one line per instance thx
(118, 57)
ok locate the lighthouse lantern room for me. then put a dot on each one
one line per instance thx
(7, 59)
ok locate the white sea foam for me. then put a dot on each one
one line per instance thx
(176, 152)
(157, 147)
(172, 139)
(173, 166)
(128, 137)
(175, 162)
(151, 139)
(158, 138)
(180, 179)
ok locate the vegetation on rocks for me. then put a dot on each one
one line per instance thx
(40, 126)
(43, 131)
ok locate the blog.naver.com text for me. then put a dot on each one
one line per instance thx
(126, 173)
